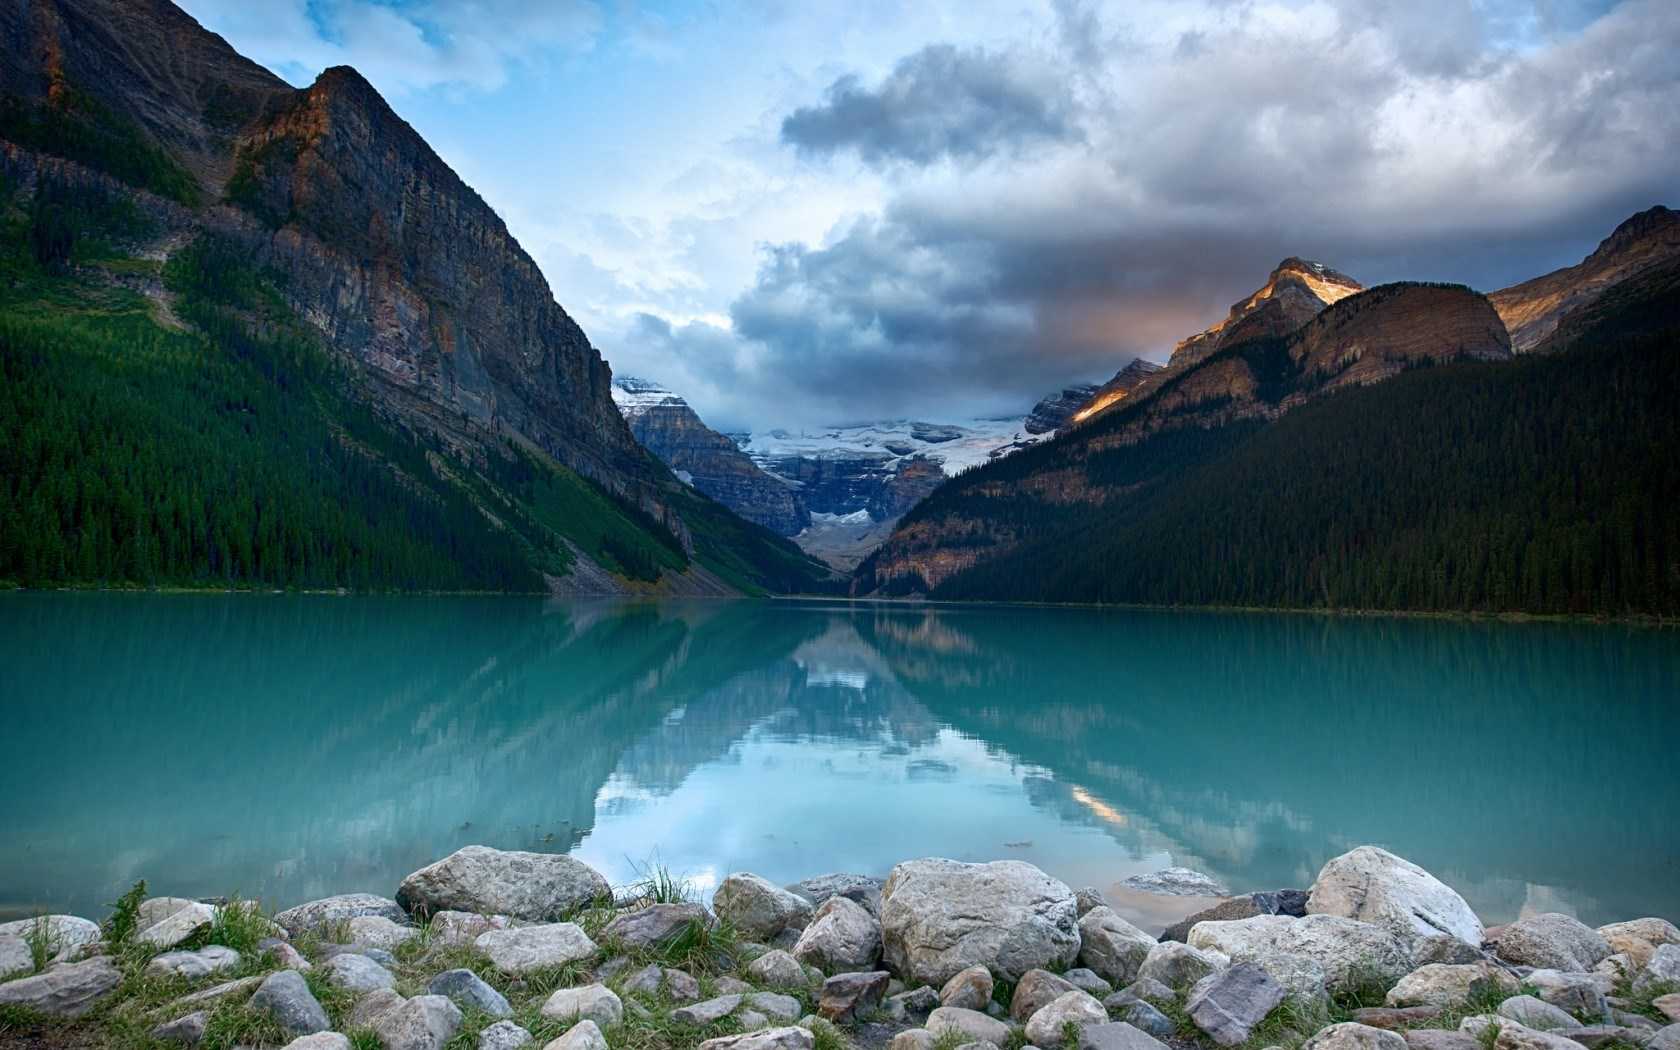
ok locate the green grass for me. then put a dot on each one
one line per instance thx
(119, 926)
(657, 884)
(43, 942)
(240, 925)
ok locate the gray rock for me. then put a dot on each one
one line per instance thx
(1350, 1035)
(1087, 897)
(284, 997)
(864, 890)
(1536, 1013)
(503, 1035)
(154, 910)
(1667, 1005)
(654, 925)
(1662, 969)
(1639, 938)
(913, 1039)
(915, 1003)
(283, 954)
(1578, 993)
(758, 907)
(213, 958)
(1111, 946)
(187, 1030)
(1228, 1004)
(1444, 948)
(1395, 1018)
(971, 1024)
(1347, 950)
(1088, 981)
(732, 986)
(645, 981)
(1176, 882)
(358, 973)
(1147, 1017)
(1373, 885)
(596, 1002)
(978, 1045)
(1628, 1019)
(537, 887)
(790, 1038)
(681, 987)
(65, 990)
(376, 931)
(1596, 1035)
(637, 1011)
(15, 956)
(778, 969)
(1437, 1039)
(970, 989)
(463, 927)
(751, 1019)
(178, 925)
(942, 916)
(1178, 965)
(842, 937)
(780, 1007)
(320, 1041)
(1117, 1035)
(1246, 906)
(243, 984)
(425, 1022)
(849, 996)
(707, 1011)
(372, 1005)
(1035, 990)
(1441, 984)
(1147, 989)
(342, 908)
(528, 948)
(65, 934)
(466, 988)
(378, 955)
(1551, 941)
(1048, 1023)
(585, 1035)
(1667, 1038)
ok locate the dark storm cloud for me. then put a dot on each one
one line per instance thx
(940, 102)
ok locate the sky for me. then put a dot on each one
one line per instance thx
(798, 213)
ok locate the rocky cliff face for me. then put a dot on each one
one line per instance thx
(1533, 310)
(1053, 412)
(666, 425)
(1123, 385)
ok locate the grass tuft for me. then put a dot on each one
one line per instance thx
(43, 941)
(125, 915)
(240, 925)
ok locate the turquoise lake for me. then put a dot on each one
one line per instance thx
(287, 748)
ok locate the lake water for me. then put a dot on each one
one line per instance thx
(287, 748)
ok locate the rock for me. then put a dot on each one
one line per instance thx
(1577, 993)
(749, 1020)
(1551, 941)
(1178, 965)
(1147, 1017)
(1347, 950)
(187, 1030)
(680, 986)
(178, 925)
(915, 1003)
(1667, 1005)
(1662, 969)
(503, 1035)
(645, 981)
(1373, 885)
(1350, 1035)
(758, 907)
(1596, 1035)
(1035, 990)
(654, 925)
(1441, 984)
(1514, 1036)
(1441, 948)
(283, 954)
(732, 986)
(1228, 1003)
(778, 969)
(595, 1002)
(1536, 1013)
(213, 958)
(1176, 882)
(320, 1041)
(1667, 1038)
(1087, 897)
(942, 916)
(1246, 906)
(376, 931)
(425, 1022)
(243, 984)
(704, 1013)
(286, 998)
(863, 890)
(15, 956)
(1111, 946)
(780, 1007)
(1395, 1018)
(372, 1005)
(1147, 989)
(538, 887)
(463, 927)
(913, 1039)
(971, 1024)
(331, 910)
(790, 1038)
(526, 948)
(585, 1035)
(1438, 1039)
(841, 937)
(154, 910)
(465, 988)
(978, 1045)
(65, 934)
(65, 990)
(970, 989)
(1117, 1035)
(358, 973)
(1628, 1019)
(1088, 981)
(1047, 1024)
(1638, 939)
(849, 996)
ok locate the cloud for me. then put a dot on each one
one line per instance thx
(940, 102)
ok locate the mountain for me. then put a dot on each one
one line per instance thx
(1390, 452)
(337, 335)
(711, 462)
(1533, 310)
(1125, 382)
(1053, 411)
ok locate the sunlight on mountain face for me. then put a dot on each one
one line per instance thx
(1098, 405)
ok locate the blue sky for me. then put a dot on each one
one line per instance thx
(806, 212)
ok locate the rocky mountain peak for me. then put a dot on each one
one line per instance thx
(1123, 385)
(1054, 410)
(1658, 223)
